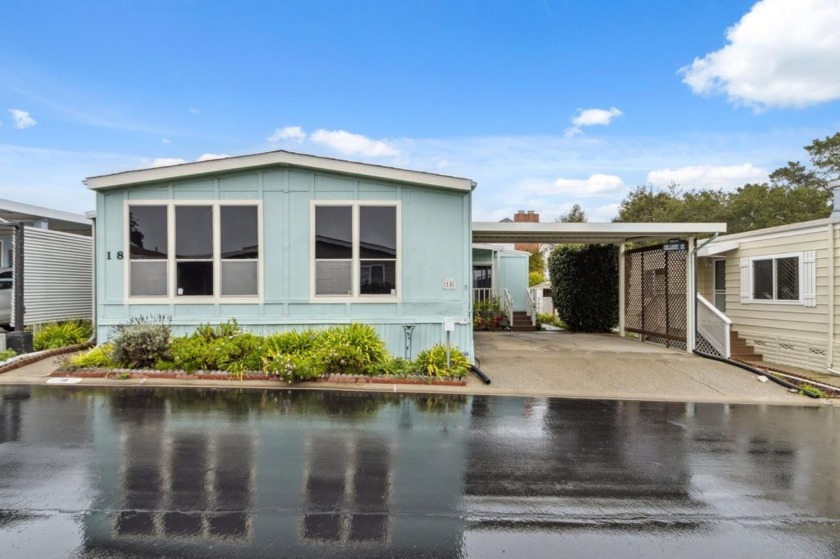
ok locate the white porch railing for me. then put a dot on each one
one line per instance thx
(712, 329)
(482, 293)
(532, 307)
(507, 306)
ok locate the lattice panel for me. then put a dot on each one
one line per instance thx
(655, 293)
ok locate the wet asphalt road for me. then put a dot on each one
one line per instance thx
(108, 473)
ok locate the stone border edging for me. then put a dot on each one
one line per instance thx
(29, 358)
(223, 375)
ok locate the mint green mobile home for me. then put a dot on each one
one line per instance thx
(284, 241)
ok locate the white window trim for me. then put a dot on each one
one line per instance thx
(800, 256)
(356, 297)
(171, 268)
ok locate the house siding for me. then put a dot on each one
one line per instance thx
(788, 334)
(435, 229)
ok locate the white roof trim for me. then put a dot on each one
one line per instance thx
(42, 213)
(493, 232)
(770, 232)
(277, 158)
(716, 248)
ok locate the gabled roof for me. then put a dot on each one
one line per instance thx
(278, 158)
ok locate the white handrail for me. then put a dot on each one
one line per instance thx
(508, 302)
(713, 326)
(532, 307)
(714, 309)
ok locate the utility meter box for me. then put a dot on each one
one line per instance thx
(448, 324)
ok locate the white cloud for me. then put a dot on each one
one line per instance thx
(353, 144)
(709, 176)
(166, 161)
(22, 119)
(596, 185)
(782, 53)
(287, 134)
(592, 117)
(210, 156)
(193, 111)
(166, 141)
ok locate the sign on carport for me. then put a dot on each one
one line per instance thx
(674, 244)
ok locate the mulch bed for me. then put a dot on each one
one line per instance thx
(797, 380)
(222, 375)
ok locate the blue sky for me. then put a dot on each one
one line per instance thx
(543, 103)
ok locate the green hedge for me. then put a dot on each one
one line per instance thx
(584, 283)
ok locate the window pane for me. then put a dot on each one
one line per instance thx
(787, 279)
(333, 232)
(378, 232)
(147, 229)
(239, 278)
(720, 274)
(194, 231)
(762, 279)
(195, 278)
(333, 278)
(481, 277)
(239, 232)
(377, 277)
(148, 279)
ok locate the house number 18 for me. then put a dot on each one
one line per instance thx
(119, 255)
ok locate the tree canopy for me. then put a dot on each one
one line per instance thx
(794, 193)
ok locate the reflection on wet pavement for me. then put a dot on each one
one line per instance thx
(93, 473)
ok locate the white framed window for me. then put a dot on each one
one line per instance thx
(189, 251)
(779, 279)
(355, 248)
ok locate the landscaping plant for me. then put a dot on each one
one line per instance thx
(142, 342)
(433, 362)
(7, 354)
(584, 286)
(98, 357)
(54, 335)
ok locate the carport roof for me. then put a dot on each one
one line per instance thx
(493, 232)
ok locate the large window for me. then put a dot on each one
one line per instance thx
(192, 250)
(776, 279)
(356, 253)
(780, 279)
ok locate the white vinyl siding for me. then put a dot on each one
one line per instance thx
(57, 276)
(786, 332)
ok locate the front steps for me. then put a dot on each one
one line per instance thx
(740, 350)
(522, 322)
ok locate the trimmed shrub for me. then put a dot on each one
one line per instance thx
(584, 283)
(142, 342)
(54, 335)
(7, 354)
(292, 341)
(433, 362)
(399, 367)
(97, 357)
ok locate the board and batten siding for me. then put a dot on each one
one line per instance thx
(435, 245)
(57, 276)
(788, 334)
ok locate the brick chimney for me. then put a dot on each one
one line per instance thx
(529, 216)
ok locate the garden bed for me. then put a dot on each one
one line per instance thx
(124, 374)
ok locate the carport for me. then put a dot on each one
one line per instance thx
(645, 287)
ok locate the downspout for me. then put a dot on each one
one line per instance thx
(694, 252)
(831, 273)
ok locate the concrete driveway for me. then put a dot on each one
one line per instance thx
(560, 363)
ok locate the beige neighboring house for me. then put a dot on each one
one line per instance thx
(779, 287)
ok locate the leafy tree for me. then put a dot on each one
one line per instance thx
(535, 278)
(643, 205)
(755, 206)
(536, 263)
(825, 155)
(574, 215)
(584, 286)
